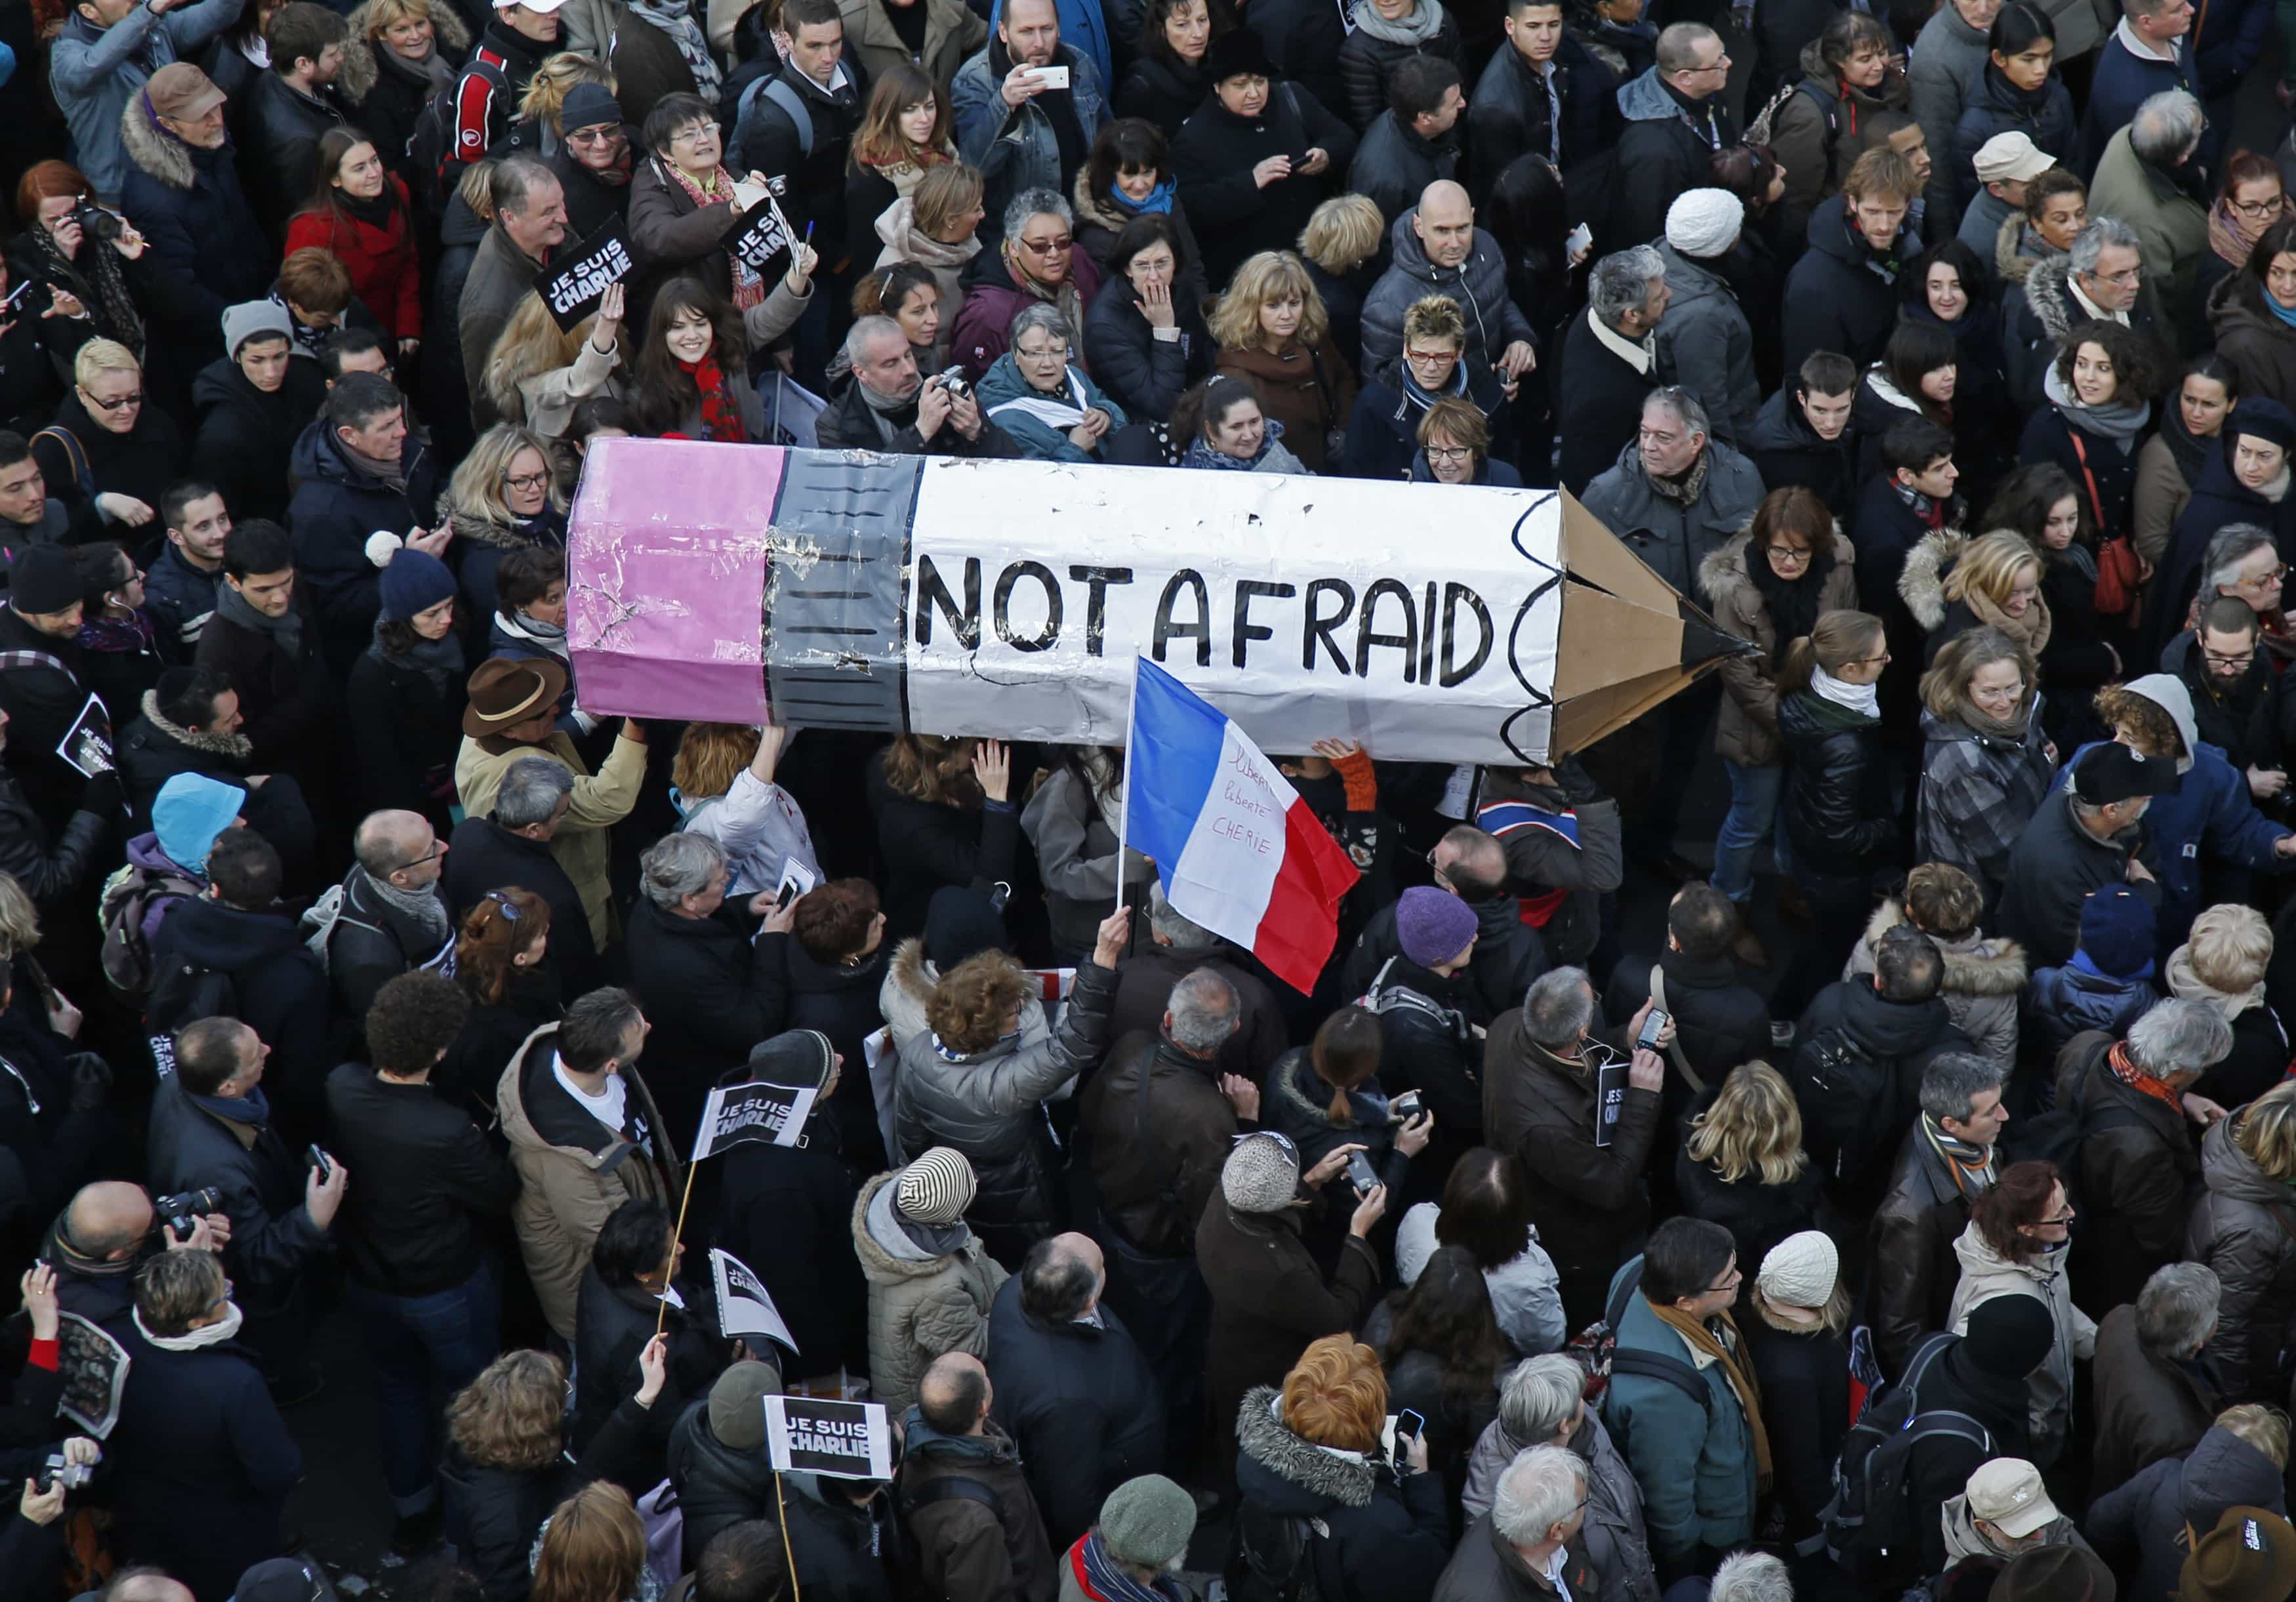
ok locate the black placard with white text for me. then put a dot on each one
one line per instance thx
(572, 287)
(844, 1439)
(734, 1113)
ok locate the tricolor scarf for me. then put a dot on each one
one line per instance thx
(1971, 1165)
(748, 289)
(1098, 1577)
(2125, 1068)
(721, 414)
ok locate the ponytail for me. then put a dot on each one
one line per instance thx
(1839, 638)
(1346, 1053)
(1793, 668)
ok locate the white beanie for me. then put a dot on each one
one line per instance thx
(1799, 1270)
(1704, 222)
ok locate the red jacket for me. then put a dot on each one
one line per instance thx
(385, 274)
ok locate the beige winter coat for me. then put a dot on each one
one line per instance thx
(599, 802)
(2160, 496)
(1983, 980)
(920, 1307)
(1746, 731)
(1984, 1274)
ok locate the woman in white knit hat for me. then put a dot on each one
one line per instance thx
(1801, 1357)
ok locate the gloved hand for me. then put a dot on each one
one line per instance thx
(91, 1080)
(104, 796)
(1577, 785)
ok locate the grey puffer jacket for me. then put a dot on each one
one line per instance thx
(1673, 539)
(2139, 1529)
(1617, 1549)
(984, 1103)
(2244, 1226)
(1706, 345)
(1984, 977)
(1479, 285)
(921, 1305)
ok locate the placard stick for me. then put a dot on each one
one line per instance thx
(670, 1257)
(782, 1512)
(1124, 797)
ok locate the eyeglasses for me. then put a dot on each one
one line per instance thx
(2126, 278)
(525, 481)
(1736, 1279)
(701, 135)
(1429, 358)
(2260, 209)
(2273, 576)
(1795, 554)
(605, 133)
(1449, 453)
(510, 914)
(437, 851)
(133, 398)
(2242, 660)
(1046, 247)
(1050, 353)
(2066, 1216)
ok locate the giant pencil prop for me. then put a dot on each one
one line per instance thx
(847, 589)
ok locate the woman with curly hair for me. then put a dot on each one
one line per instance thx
(2014, 1245)
(2099, 392)
(1271, 328)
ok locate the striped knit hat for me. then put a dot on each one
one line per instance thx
(936, 1188)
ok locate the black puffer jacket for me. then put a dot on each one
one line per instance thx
(1214, 153)
(718, 1486)
(1367, 63)
(2243, 1227)
(1841, 811)
(493, 1514)
(283, 129)
(1843, 295)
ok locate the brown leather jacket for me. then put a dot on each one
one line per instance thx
(1915, 1269)
(1157, 1157)
(1590, 1203)
(2135, 1176)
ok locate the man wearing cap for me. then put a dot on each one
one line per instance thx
(1704, 342)
(180, 186)
(495, 79)
(108, 51)
(293, 103)
(1142, 1537)
(1422, 995)
(2004, 1513)
(931, 1280)
(253, 401)
(513, 713)
(2006, 163)
(593, 165)
(718, 1464)
(2083, 837)
(2150, 179)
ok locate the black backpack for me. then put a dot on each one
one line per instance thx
(1872, 1527)
(1596, 1348)
(1847, 1096)
(186, 990)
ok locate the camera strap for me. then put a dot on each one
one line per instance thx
(1674, 1051)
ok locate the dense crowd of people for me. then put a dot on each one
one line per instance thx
(1902, 1202)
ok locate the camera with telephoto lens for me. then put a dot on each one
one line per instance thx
(953, 381)
(183, 1213)
(97, 223)
(56, 1472)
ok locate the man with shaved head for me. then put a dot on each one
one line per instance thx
(1471, 864)
(393, 918)
(1071, 1385)
(1442, 252)
(103, 1237)
(971, 1547)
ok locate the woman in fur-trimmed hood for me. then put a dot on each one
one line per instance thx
(1952, 584)
(1310, 1451)
(1984, 975)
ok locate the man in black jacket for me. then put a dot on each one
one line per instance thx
(179, 587)
(1803, 439)
(809, 146)
(1428, 1042)
(252, 401)
(1176, 947)
(718, 1459)
(1544, 94)
(1509, 953)
(108, 1232)
(1981, 1375)
(786, 1212)
(47, 864)
(52, 1113)
(291, 106)
(1861, 1051)
(264, 639)
(2084, 836)
(393, 918)
(1675, 121)
(1607, 363)
(419, 1280)
(1414, 141)
(211, 1127)
(891, 406)
(41, 688)
(2236, 697)
(1071, 1387)
(1844, 292)
(1946, 1163)
(1719, 1021)
(191, 723)
(509, 849)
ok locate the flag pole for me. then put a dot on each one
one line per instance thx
(1124, 801)
(670, 1257)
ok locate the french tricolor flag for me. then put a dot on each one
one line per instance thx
(1237, 848)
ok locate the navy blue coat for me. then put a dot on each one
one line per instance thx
(336, 504)
(2124, 81)
(1836, 298)
(2219, 500)
(2227, 37)
(1142, 373)
(206, 247)
(2000, 107)
(1383, 433)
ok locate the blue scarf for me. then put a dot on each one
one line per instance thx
(2279, 310)
(1159, 203)
(254, 1107)
(1421, 398)
(1201, 455)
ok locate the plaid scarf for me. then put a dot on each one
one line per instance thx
(748, 289)
(721, 414)
(2125, 1069)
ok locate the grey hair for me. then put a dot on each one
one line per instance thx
(1559, 1007)
(677, 865)
(2234, 544)
(1536, 1492)
(1183, 933)
(2179, 1036)
(2177, 1310)
(1540, 1395)
(2166, 126)
(2089, 243)
(857, 338)
(1035, 202)
(1750, 1577)
(1683, 404)
(1954, 1081)
(1037, 315)
(1621, 282)
(530, 791)
(1205, 1010)
(517, 179)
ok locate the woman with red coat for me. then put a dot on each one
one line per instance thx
(359, 213)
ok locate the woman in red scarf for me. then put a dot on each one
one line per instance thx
(906, 132)
(692, 370)
(360, 214)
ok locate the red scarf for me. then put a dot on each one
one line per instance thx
(721, 414)
(2125, 1066)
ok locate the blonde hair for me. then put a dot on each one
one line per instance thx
(1344, 233)
(476, 489)
(1752, 1127)
(1336, 1394)
(1835, 1312)
(711, 756)
(2262, 1427)
(1269, 277)
(1989, 565)
(948, 191)
(1435, 318)
(592, 1549)
(2228, 948)
(102, 356)
(931, 769)
(370, 20)
(2265, 1132)
(20, 919)
(531, 344)
(545, 93)
(509, 1417)
(968, 1008)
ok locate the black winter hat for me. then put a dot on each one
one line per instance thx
(44, 579)
(2009, 1336)
(958, 923)
(798, 1060)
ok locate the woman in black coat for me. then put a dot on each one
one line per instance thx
(2045, 505)
(1801, 1360)
(830, 966)
(1439, 1341)
(1145, 338)
(119, 649)
(944, 816)
(399, 54)
(1948, 291)
(1840, 806)
(252, 404)
(502, 961)
(632, 1263)
(1327, 1095)
(2099, 392)
(506, 1465)
(1169, 79)
(1742, 1164)
(110, 455)
(406, 695)
(2022, 94)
